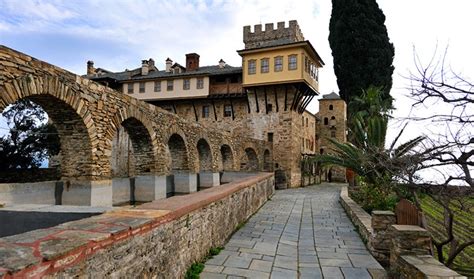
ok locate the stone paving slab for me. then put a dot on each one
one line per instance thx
(299, 233)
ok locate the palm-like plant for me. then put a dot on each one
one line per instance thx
(367, 156)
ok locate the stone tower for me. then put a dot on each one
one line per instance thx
(332, 124)
(281, 35)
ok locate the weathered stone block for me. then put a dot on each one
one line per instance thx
(150, 187)
(120, 190)
(185, 182)
(91, 193)
(209, 179)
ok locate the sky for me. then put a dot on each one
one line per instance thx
(118, 34)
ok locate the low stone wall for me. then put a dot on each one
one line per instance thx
(28, 193)
(405, 248)
(361, 219)
(162, 238)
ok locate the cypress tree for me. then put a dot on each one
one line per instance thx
(361, 49)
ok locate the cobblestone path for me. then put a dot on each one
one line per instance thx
(299, 233)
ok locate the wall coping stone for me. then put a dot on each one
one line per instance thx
(55, 248)
(383, 212)
(429, 266)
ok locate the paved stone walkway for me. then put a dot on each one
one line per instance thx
(299, 233)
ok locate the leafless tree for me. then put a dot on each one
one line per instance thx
(443, 165)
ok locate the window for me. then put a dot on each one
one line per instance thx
(227, 111)
(252, 68)
(141, 87)
(205, 111)
(321, 151)
(292, 62)
(278, 63)
(306, 64)
(270, 137)
(331, 107)
(326, 121)
(200, 83)
(186, 84)
(333, 133)
(157, 86)
(264, 65)
(169, 85)
(269, 107)
(130, 88)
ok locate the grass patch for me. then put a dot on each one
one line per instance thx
(463, 228)
(194, 271)
(196, 268)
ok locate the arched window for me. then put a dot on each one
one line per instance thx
(326, 121)
(331, 107)
(321, 151)
(333, 118)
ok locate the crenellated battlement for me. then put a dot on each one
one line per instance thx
(271, 36)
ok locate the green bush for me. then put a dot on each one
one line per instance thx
(371, 197)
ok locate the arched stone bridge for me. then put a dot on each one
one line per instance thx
(166, 152)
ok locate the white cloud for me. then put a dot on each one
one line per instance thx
(171, 28)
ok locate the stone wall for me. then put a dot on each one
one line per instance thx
(88, 117)
(260, 38)
(28, 193)
(405, 248)
(252, 120)
(334, 110)
(158, 239)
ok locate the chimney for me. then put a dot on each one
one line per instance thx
(90, 67)
(169, 63)
(192, 61)
(151, 64)
(144, 67)
(222, 63)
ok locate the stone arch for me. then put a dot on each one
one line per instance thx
(132, 149)
(204, 155)
(227, 157)
(70, 116)
(134, 127)
(267, 160)
(178, 153)
(249, 160)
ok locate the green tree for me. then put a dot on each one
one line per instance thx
(362, 52)
(30, 140)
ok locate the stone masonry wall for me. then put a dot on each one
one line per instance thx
(260, 38)
(337, 125)
(286, 126)
(160, 239)
(406, 249)
(88, 116)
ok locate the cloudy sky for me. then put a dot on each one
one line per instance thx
(118, 34)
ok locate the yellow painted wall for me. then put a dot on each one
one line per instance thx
(285, 75)
(176, 93)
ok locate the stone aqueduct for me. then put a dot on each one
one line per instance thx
(88, 116)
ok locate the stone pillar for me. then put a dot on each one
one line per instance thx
(120, 190)
(408, 240)
(89, 193)
(209, 179)
(185, 183)
(382, 237)
(150, 187)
